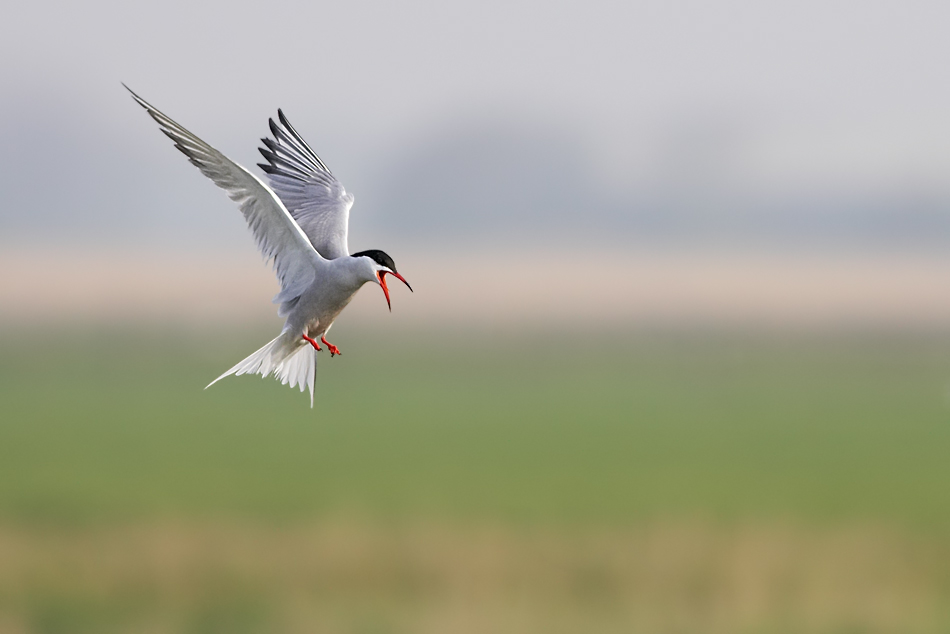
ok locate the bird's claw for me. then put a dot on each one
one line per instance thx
(333, 349)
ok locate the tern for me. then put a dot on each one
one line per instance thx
(300, 222)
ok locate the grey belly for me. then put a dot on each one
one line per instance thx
(316, 311)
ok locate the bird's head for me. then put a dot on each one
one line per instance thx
(380, 265)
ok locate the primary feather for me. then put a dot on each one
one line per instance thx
(307, 188)
(277, 234)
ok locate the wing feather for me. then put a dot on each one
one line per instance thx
(307, 188)
(277, 234)
(298, 140)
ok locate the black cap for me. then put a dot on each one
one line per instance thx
(379, 257)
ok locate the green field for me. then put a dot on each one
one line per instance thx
(562, 460)
(537, 429)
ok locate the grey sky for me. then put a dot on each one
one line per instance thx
(764, 100)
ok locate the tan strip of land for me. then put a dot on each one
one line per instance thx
(553, 288)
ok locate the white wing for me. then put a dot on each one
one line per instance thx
(278, 236)
(312, 195)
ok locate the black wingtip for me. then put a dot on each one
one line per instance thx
(286, 123)
(131, 92)
(139, 100)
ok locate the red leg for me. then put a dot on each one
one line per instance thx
(333, 349)
(313, 343)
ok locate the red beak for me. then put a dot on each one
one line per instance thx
(382, 282)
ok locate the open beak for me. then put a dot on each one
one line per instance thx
(382, 282)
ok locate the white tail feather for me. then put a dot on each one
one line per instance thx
(291, 359)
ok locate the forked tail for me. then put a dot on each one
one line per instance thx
(292, 360)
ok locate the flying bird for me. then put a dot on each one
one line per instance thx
(300, 222)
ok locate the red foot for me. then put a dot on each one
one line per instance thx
(333, 349)
(313, 343)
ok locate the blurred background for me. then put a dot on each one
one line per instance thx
(678, 359)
